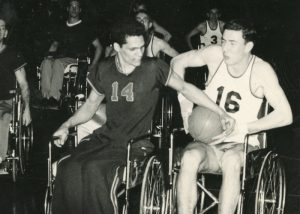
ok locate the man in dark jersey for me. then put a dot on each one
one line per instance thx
(12, 69)
(130, 84)
(71, 42)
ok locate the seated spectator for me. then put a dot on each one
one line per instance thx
(71, 42)
(12, 70)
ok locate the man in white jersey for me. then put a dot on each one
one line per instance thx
(238, 82)
(210, 30)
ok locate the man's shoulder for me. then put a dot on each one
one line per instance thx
(153, 63)
(149, 61)
(261, 65)
(202, 27)
(107, 61)
(261, 69)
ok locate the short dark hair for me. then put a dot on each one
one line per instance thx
(69, 2)
(126, 27)
(246, 26)
(135, 4)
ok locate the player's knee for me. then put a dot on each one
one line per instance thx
(191, 160)
(231, 162)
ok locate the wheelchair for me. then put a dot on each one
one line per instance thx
(74, 82)
(139, 161)
(263, 184)
(20, 138)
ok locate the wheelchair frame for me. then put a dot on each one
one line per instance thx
(20, 137)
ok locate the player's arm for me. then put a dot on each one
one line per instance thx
(193, 32)
(269, 86)
(221, 25)
(166, 48)
(195, 95)
(210, 56)
(82, 115)
(161, 30)
(22, 81)
(98, 51)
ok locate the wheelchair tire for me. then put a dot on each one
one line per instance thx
(153, 193)
(14, 170)
(271, 186)
(48, 202)
(24, 145)
(171, 201)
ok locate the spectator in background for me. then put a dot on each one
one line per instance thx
(71, 42)
(210, 30)
(140, 5)
(154, 45)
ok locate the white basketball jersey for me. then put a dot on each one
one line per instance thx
(211, 36)
(233, 94)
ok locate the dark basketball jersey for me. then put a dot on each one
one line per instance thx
(10, 62)
(131, 99)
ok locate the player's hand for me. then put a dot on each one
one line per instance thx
(239, 133)
(26, 117)
(61, 136)
(228, 124)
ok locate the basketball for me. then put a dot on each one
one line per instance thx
(204, 124)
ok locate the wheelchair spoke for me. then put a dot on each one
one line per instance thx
(271, 187)
(153, 191)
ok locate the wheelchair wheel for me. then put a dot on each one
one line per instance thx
(48, 202)
(171, 201)
(14, 170)
(271, 186)
(153, 192)
(24, 145)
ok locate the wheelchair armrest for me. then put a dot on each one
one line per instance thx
(177, 130)
(136, 139)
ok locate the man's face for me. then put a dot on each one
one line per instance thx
(74, 9)
(213, 14)
(144, 19)
(3, 30)
(234, 46)
(132, 51)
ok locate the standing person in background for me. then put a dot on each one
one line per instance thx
(141, 5)
(210, 30)
(12, 69)
(72, 42)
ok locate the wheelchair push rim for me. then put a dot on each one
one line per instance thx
(271, 186)
(153, 194)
